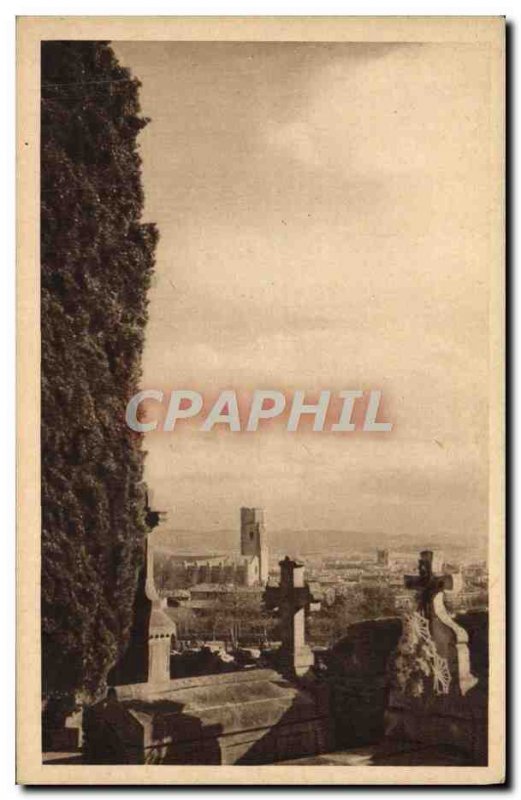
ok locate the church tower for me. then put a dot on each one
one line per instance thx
(253, 539)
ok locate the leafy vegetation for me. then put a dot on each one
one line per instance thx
(96, 264)
(354, 605)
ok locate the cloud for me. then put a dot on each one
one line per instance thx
(408, 112)
(321, 218)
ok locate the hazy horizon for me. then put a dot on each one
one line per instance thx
(296, 541)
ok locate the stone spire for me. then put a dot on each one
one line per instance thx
(147, 657)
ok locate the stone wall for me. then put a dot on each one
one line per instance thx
(357, 679)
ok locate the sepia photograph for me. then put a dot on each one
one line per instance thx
(261, 292)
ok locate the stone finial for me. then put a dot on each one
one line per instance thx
(161, 628)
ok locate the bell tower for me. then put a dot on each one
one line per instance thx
(253, 539)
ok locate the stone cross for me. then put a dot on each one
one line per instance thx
(451, 639)
(292, 598)
(429, 581)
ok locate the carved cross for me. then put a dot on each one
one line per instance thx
(429, 582)
(292, 598)
(450, 639)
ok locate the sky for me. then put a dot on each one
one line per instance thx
(324, 225)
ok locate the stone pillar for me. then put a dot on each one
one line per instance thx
(147, 657)
(160, 630)
(292, 597)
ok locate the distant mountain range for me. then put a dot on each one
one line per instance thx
(314, 542)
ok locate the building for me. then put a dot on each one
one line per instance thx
(253, 540)
(250, 568)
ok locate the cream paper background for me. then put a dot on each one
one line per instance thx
(487, 33)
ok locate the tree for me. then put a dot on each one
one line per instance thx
(96, 264)
(165, 573)
(354, 604)
(236, 615)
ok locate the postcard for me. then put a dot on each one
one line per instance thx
(261, 293)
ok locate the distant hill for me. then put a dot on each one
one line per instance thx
(309, 542)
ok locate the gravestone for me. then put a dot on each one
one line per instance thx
(147, 655)
(161, 628)
(292, 598)
(61, 726)
(434, 698)
(450, 639)
(249, 717)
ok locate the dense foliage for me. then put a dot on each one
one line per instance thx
(356, 604)
(96, 265)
